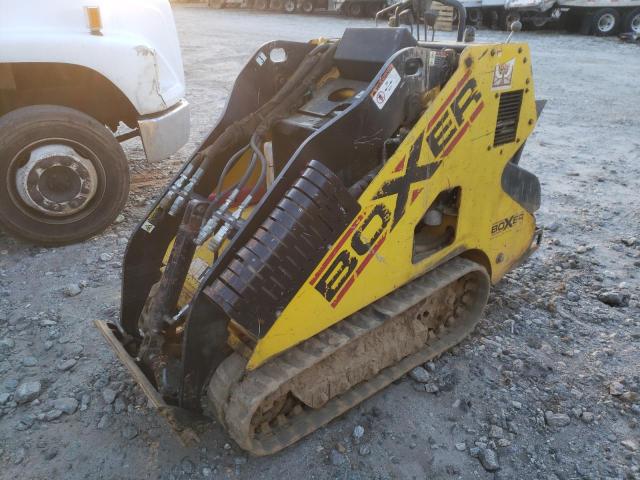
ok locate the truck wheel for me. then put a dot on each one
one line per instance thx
(290, 6)
(632, 21)
(509, 18)
(64, 176)
(354, 9)
(486, 19)
(496, 20)
(307, 6)
(537, 22)
(474, 16)
(261, 4)
(605, 22)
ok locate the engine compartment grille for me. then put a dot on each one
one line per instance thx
(508, 116)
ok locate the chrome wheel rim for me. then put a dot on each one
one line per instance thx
(606, 23)
(55, 180)
(635, 23)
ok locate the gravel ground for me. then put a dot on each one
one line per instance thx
(548, 387)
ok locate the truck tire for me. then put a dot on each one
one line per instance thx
(605, 22)
(474, 17)
(631, 22)
(261, 4)
(509, 18)
(354, 9)
(486, 19)
(290, 6)
(497, 20)
(64, 176)
(307, 6)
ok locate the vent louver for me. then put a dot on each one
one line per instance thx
(508, 115)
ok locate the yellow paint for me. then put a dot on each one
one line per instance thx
(202, 259)
(473, 164)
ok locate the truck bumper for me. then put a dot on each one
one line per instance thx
(165, 133)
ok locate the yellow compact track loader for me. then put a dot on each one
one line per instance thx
(341, 224)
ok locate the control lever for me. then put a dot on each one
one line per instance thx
(515, 27)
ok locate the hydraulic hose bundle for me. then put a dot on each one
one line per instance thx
(213, 219)
(216, 221)
(290, 96)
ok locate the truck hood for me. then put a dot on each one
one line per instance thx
(138, 49)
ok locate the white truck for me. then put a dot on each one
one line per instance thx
(589, 17)
(595, 17)
(77, 78)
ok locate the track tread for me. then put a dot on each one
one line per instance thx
(242, 400)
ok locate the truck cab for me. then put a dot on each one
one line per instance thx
(76, 80)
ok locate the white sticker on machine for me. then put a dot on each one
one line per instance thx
(197, 268)
(148, 227)
(385, 87)
(503, 75)
(432, 58)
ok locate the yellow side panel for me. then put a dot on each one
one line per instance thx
(450, 146)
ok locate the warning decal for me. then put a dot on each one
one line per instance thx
(385, 87)
(502, 75)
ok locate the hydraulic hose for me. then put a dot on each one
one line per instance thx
(250, 129)
(243, 129)
(215, 213)
(237, 133)
(257, 153)
(232, 191)
(263, 166)
(229, 225)
(230, 164)
(297, 95)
